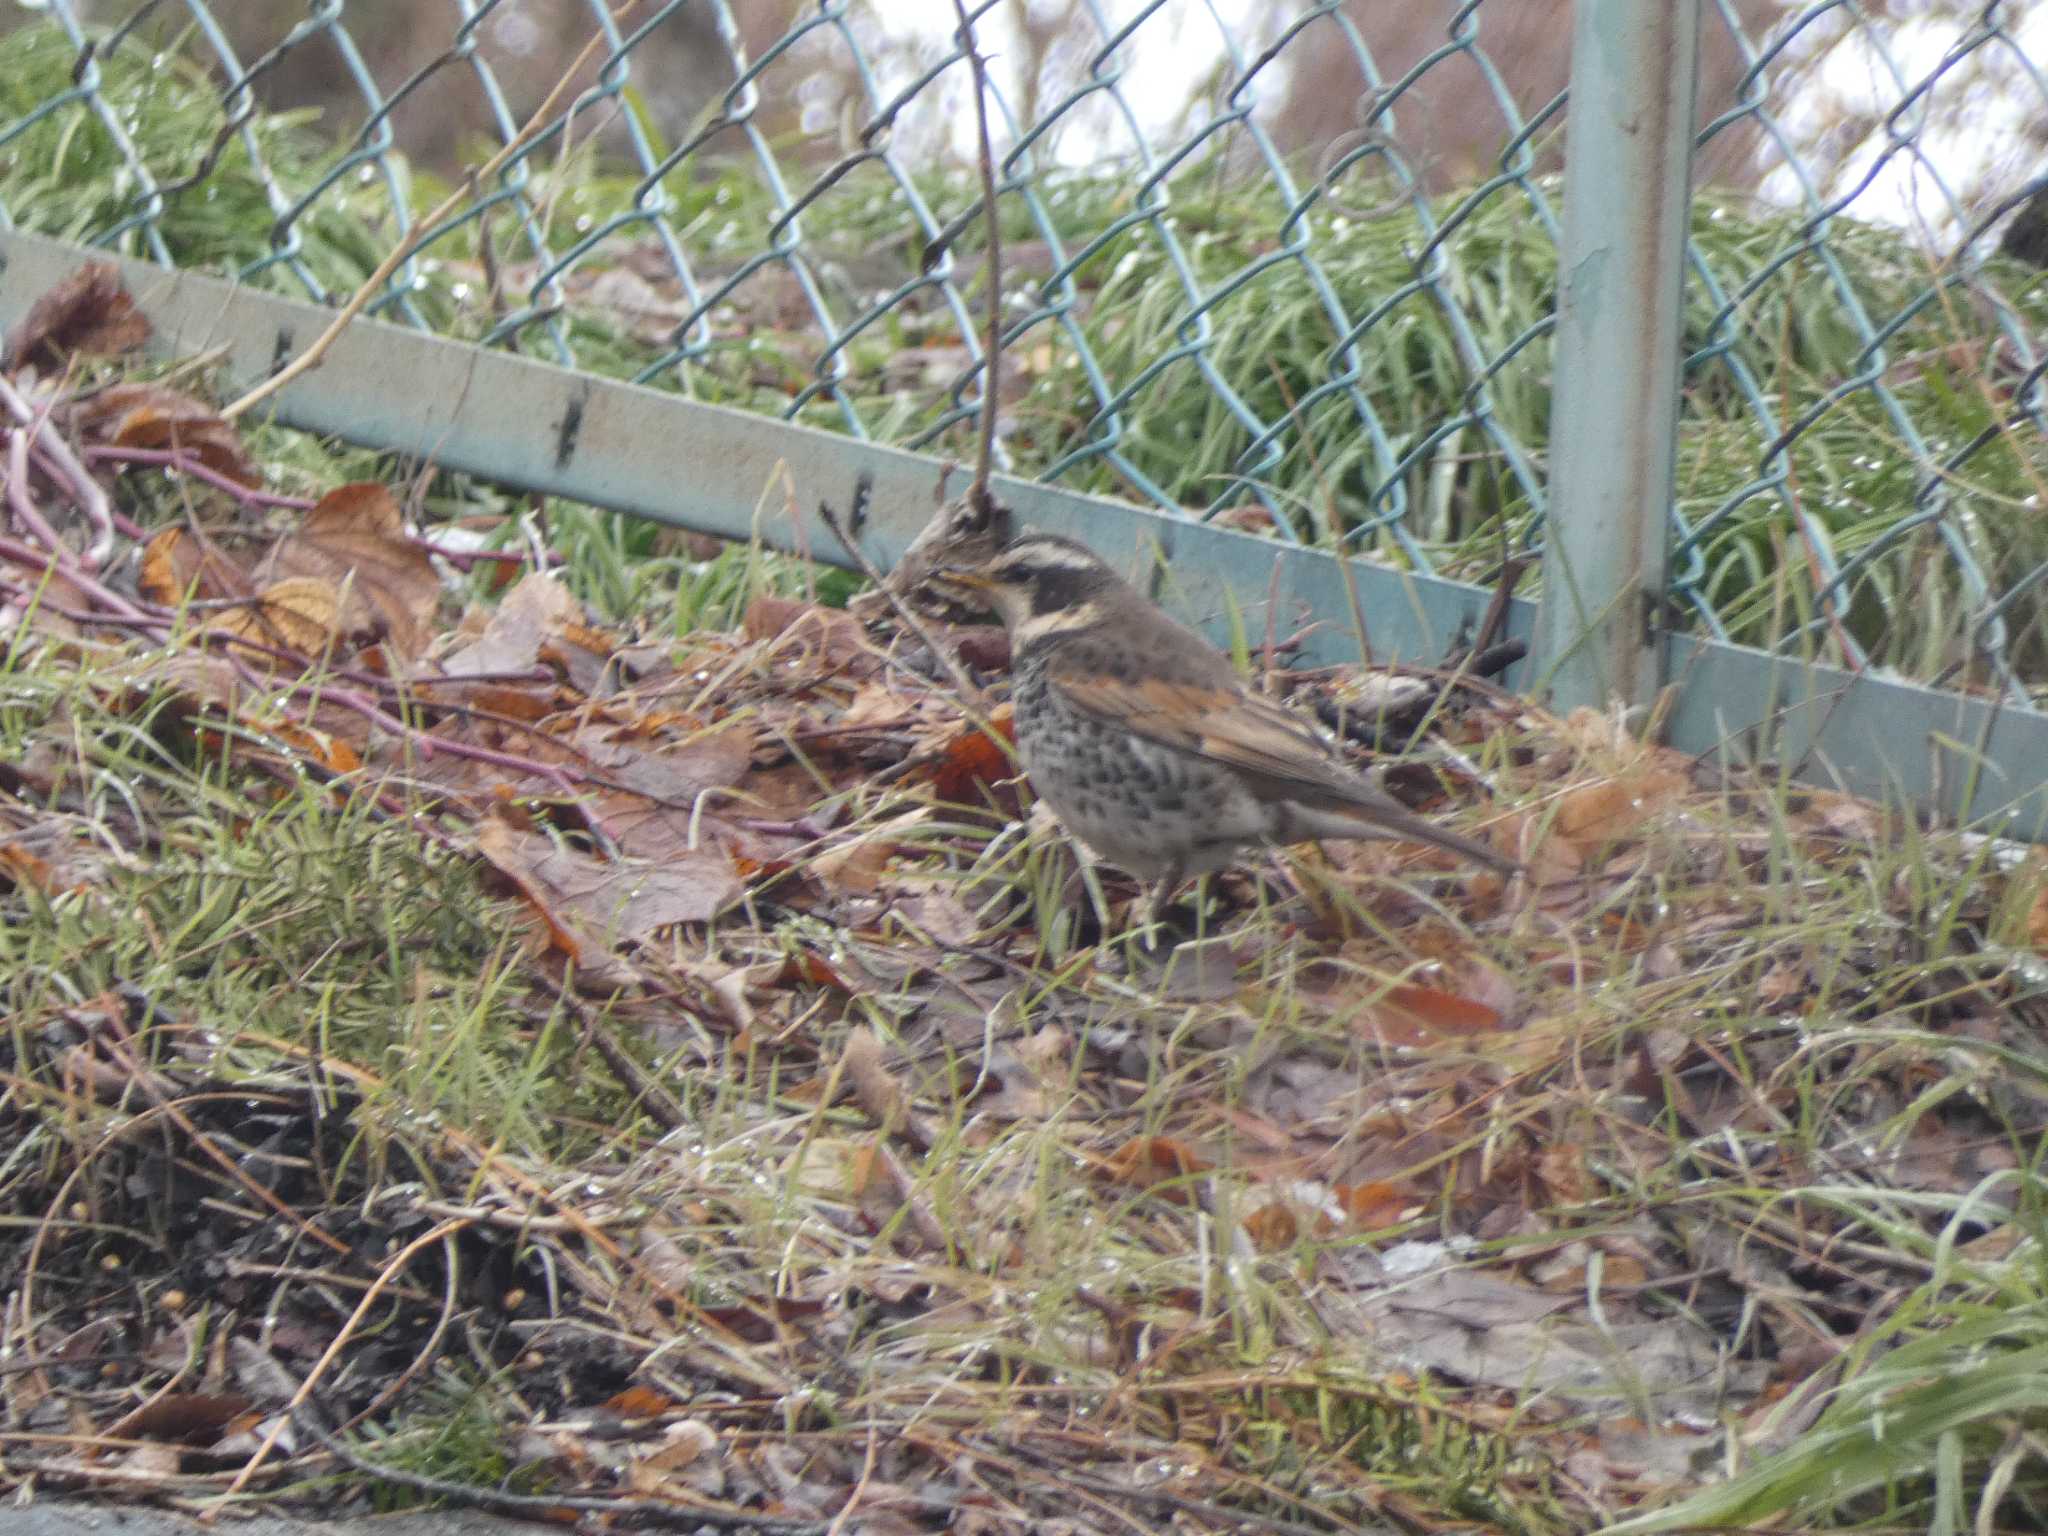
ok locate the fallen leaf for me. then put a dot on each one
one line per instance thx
(832, 633)
(1562, 1169)
(156, 416)
(1271, 1228)
(681, 1445)
(322, 748)
(89, 311)
(23, 868)
(530, 614)
(2037, 910)
(299, 615)
(614, 902)
(1376, 1203)
(355, 542)
(1145, 1162)
(1411, 1014)
(1617, 806)
(970, 763)
(637, 1402)
(189, 1417)
(178, 567)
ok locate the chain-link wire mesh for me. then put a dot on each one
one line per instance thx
(1866, 405)
(1218, 299)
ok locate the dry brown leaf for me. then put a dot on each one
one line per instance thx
(1145, 1162)
(323, 748)
(832, 634)
(89, 311)
(1375, 1203)
(193, 1418)
(857, 866)
(609, 902)
(355, 542)
(1272, 1227)
(1562, 1169)
(155, 416)
(1618, 806)
(682, 1444)
(1845, 816)
(533, 702)
(970, 763)
(2037, 910)
(938, 914)
(637, 1402)
(23, 868)
(178, 567)
(299, 615)
(1784, 981)
(876, 705)
(1411, 1014)
(532, 612)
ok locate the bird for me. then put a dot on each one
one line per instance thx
(1145, 742)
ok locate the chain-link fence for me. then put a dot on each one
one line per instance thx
(1293, 268)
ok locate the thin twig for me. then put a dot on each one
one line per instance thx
(309, 359)
(392, 1267)
(27, 515)
(992, 346)
(971, 700)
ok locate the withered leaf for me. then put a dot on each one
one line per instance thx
(1410, 1014)
(156, 416)
(355, 542)
(532, 614)
(1619, 805)
(832, 634)
(1144, 1162)
(87, 312)
(971, 762)
(177, 566)
(299, 615)
(609, 902)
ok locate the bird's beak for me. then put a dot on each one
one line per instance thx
(960, 579)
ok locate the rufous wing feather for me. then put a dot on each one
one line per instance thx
(1279, 755)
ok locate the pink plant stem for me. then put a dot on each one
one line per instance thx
(186, 464)
(85, 490)
(465, 559)
(117, 605)
(362, 704)
(26, 513)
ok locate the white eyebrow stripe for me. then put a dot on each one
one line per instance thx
(1061, 620)
(1048, 557)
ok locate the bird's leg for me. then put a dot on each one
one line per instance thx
(1092, 883)
(1156, 899)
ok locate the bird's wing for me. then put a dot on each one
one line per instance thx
(1228, 725)
(1278, 754)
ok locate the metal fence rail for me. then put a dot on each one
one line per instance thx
(1311, 334)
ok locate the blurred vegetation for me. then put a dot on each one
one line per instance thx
(1422, 430)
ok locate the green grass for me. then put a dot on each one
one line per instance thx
(289, 913)
(1758, 1129)
(280, 929)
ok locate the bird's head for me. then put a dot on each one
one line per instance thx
(1036, 584)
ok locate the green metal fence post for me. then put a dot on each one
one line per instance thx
(1614, 409)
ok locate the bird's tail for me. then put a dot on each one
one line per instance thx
(1391, 819)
